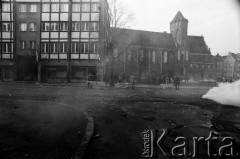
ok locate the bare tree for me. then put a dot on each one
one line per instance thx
(118, 17)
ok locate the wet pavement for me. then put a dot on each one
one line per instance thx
(121, 115)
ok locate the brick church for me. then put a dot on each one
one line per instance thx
(154, 55)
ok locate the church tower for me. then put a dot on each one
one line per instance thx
(178, 28)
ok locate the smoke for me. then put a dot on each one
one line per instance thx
(225, 93)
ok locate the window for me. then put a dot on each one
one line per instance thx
(53, 47)
(165, 59)
(55, 8)
(76, 7)
(63, 47)
(22, 8)
(32, 27)
(75, 47)
(22, 44)
(33, 8)
(95, 7)
(187, 55)
(32, 45)
(23, 27)
(63, 26)
(6, 27)
(45, 26)
(6, 7)
(64, 7)
(154, 57)
(54, 27)
(94, 47)
(6, 47)
(85, 26)
(45, 47)
(86, 7)
(179, 54)
(94, 27)
(46, 8)
(84, 47)
(75, 26)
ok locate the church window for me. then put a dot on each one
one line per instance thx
(179, 55)
(165, 57)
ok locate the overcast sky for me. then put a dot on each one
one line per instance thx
(217, 20)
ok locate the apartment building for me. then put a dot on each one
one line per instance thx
(52, 40)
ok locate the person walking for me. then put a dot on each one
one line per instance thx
(88, 81)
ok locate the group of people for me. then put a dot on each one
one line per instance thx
(175, 81)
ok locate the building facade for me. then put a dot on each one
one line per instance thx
(52, 40)
(154, 54)
(231, 67)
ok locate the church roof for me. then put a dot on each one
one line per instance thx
(196, 44)
(178, 17)
(144, 38)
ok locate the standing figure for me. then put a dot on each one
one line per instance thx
(132, 80)
(88, 81)
(176, 82)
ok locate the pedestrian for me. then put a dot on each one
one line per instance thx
(88, 81)
(176, 82)
(132, 80)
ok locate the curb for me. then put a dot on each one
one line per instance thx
(88, 134)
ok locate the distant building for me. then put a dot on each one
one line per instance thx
(219, 64)
(154, 55)
(51, 40)
(231, 67)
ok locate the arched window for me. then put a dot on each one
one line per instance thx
(165, 57)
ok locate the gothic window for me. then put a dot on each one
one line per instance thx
(165, 57)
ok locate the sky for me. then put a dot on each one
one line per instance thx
(217, 20)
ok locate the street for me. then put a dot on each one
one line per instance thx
(120, 116)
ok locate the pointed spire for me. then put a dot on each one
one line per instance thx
(178, 16)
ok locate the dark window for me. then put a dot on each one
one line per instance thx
(63, 26)
(85, 26)
(53, 47)
(94, 47)
(75, 47)
(6, 47)
(6, 27)
(32, 45)
(54, 27)
(45, 47)
(22, 44)
(45, 26)
(75, 26)
(63, 47)
(84, 47)
(94, 27)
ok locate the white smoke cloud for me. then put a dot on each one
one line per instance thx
(225, 93)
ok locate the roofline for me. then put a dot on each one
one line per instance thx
(142, 30)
